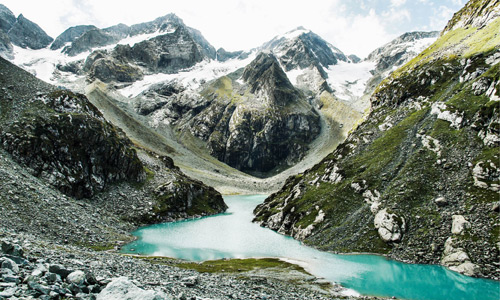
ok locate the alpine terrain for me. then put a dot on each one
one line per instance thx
(105, 130)
(418, 180)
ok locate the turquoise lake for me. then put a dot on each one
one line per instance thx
(233, 235)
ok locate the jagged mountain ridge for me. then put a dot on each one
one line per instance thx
(135, 54)
(418, 180)
(20, 32)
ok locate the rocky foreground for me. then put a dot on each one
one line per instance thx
(34, 269)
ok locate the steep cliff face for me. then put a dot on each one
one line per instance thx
(27, 34)
(254, 119)
(170, 47)
(20, 32)
(419, 179)
(260, 124)
(61, 138)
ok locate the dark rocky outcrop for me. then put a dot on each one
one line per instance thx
(166, 53)
(354, 58)
(6, 48)
(27, 34)
(419, 179)
(87, 41)
(264, 75)
(7, 18)
(223, 55)
(65, 140)
(70, 35)
(110, 70)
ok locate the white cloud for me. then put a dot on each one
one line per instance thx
(440, 17)
(397, 3)
(396, 16)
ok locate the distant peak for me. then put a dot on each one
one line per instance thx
(171, 17)
(295, 33)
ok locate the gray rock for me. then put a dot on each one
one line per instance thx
(43, 289)
(11, 265)
(8, 293)
(12, 249)
(52, 277)
(441, 201)
(459, 225)
(39, 270)
(76, 277)
(390, 226)
(70, 35)
(88, 40)
(60, 270)
(121, 288)
(190, 281)
(7, 18)
(11, 278)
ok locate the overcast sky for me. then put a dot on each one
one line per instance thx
(353, 26)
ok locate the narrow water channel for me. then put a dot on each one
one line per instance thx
(232, 235)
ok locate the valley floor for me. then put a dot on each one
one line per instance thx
(194, 160)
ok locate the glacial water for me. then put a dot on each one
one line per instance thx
(232, 235)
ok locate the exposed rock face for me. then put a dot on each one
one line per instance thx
(73, 148)
(110, 70)
(422, 155)
(390, 226)
(7, 18)
(459, 224)
(396, 53)
(253, 125)
(88, 40)
(6, 48)
(223, 55)
(27, 34)
(185, 197)
(70, 35)
(174, 47)
(355, 59)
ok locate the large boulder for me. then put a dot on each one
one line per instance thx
(390, 226)
(123, 289)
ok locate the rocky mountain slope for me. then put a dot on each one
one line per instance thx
(419, 179)
(63, 140)
(396, 53)
(20, 32)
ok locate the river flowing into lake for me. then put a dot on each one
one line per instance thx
(233, 235)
